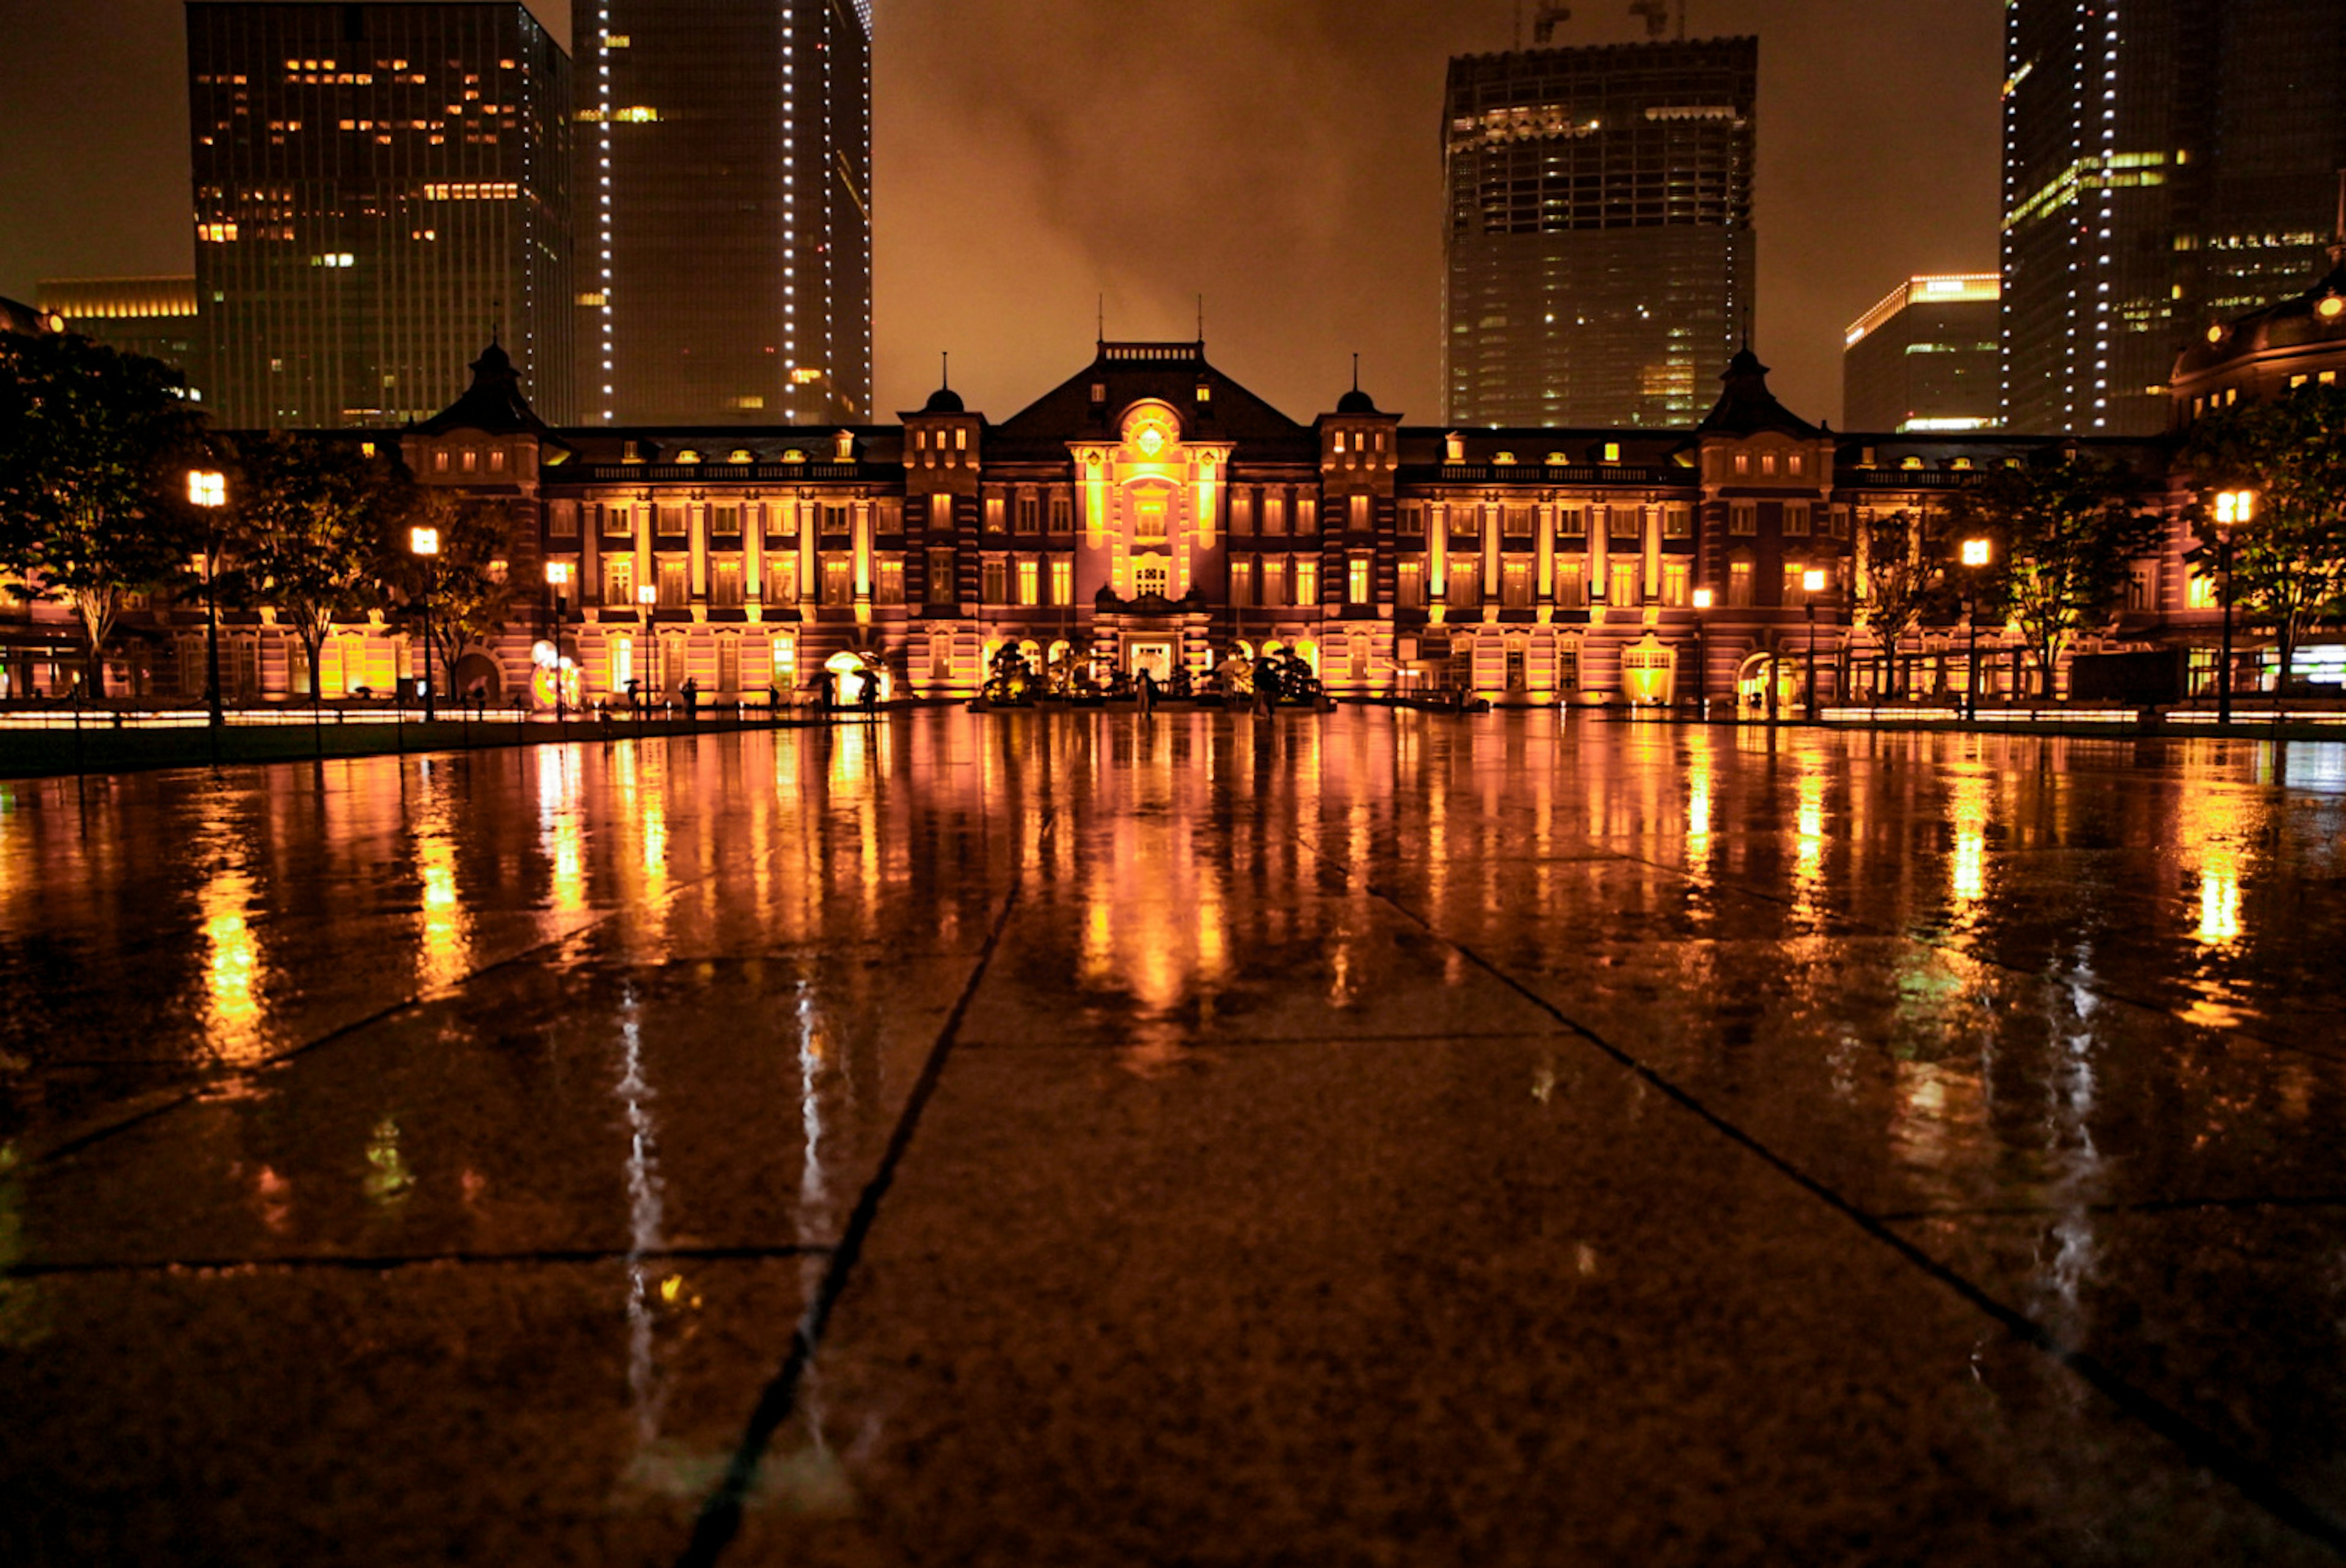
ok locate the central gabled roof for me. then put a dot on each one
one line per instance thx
(1168, 372)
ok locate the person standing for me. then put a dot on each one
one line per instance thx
(1146, 690)
(691, 690)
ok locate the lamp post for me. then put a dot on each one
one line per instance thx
(209, 490)
(425, 544)
(2233, 508)
(557, 577)
(1702, 599)
(646, 597)
(1974, 557)
(1812, 582)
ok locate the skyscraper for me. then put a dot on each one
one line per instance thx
(1924, 359)
(725, 215)
(1599, 240)
(2166, 163)
(376, 188)
(156, 317)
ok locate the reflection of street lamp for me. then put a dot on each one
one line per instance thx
(1974, 557)
(1702, 599)
(646, 597)
(2233, 507)
(209, 490)
(557, 577)
(1812, 582)
(425, 545)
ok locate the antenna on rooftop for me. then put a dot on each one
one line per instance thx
(1103, 319)
(1656, 14)
(1201, 321)
(1356, 372)
(944, 372)
(1545, 20)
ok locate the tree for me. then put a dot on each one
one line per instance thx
(2066, 532)
(93, 445)
(313, 520)
(472, 597)
(2287, 564)
(1904, 559)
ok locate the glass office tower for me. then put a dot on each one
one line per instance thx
(725, 180)
(1599, 240)
(2167, 163)
(378, 188)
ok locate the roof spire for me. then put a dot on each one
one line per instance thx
(1356, 370)
(1103, 319)
(944, 371)
(1201, 321)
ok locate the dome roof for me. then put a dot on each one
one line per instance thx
(1356, 402)
(944, 400)
(18, 317)
(2307, 322)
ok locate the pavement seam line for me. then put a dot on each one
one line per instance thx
(378, 1264)
(2204, 1449)
(720, 1517)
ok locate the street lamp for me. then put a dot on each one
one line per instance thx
(646, 597)
(1974, 557)
(425, 544)
(1702, 601)
(2233, 508)
(557, 577)
(1812, 582)
(209, 490)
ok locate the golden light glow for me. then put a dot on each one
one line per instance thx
(1968, 806)
(647, 596)
(558, 573)
(232, 960)
(1975, 551)
(1813, 581)
(1703, 598)
(206, 488)
(424, 541)
(2235, 506)
(2331, 308)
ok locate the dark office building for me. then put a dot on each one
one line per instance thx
(151, 316)
(725, 224)
(377, 187)
(1598, 243)
(1924, 359)
(2167, 163)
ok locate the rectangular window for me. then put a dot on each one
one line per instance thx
(786, 662)
(619, 522)
(619, 580)
(782, 579)
(1676, 575)
(942, 589)
(1411, 521)
(785, 520)
(1678, 523)
(941, 514)
(1743, 518)
(1356, 579)
(2201, 594)
(888, 581)
(1629, 522)
(941, 655)
(1149, 518)
(1030, 514)
(623, 663)
(1412, 587)
(1792, 595)
(1738, 585)
(1466, 582)
(1030, 581)
(996, 514)
(1307, 581)
(725, 520)
(1516, 586)
(1572, 585)
(1796, 519)
(562, 520)
(671, 520)
(2142, 586)
(725, 585)
(1242, 509)
(675, 584)
(1623, 593)
(1242, 582)
(995, 577)
(1571, 522)
(1274, 510)
(838, 580)
(1519, 521)
(1063, 581)
(1363, 515)
(1063, 514)
(836, 520)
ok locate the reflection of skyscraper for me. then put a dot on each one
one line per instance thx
(725, 210)
(2166, 163)
(377, 187)
(1598, 240)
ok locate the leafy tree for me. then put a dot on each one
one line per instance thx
(2289, 562)
(1905, 560)
(471, 598)
(2067, 532)
(313, 520)
(92, 446)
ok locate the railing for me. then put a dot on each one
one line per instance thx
(715, 473)
(1541, 473)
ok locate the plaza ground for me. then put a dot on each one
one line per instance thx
(1379, 1138)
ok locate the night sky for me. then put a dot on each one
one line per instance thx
(1281, 156)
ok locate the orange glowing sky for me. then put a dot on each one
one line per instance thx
(1280, 158)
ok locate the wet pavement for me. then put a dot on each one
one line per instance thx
(1384, 1138)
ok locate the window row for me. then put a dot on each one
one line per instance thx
(671, 582)
(720, 519)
